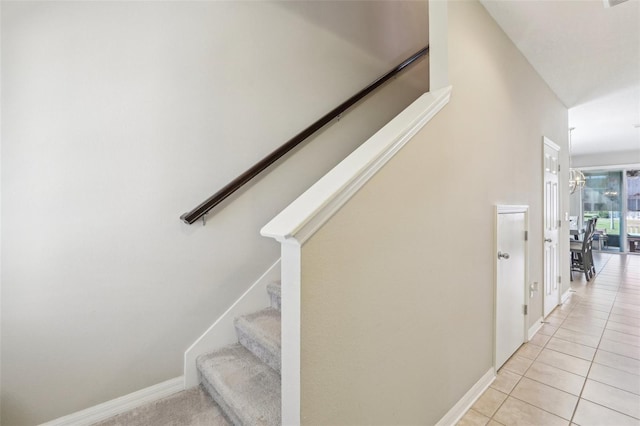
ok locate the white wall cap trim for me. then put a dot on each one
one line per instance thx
(456, 412)
(313, 208)
(120, 405)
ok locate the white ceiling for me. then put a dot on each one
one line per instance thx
(589, 55)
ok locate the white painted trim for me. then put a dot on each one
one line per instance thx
(507, 209)
(301, 219)
(535, 328)
(622, 167)
(565, 295)
(454, 415)
(552, 144)
(502, 208)
(120, 405)
(290, 337)
(222, 332)
(563, 240)
(314, 207)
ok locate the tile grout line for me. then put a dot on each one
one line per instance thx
(611, 409)
(514, 386)
(613, 368)
(527, 369)
(537, 356)
(588, 295)
(617, 354)
(575, 409)
(585, 379)
(611, 386)
(590, 363)
(539, 408)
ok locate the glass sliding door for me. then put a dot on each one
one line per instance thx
(633, 211)
(602, 198)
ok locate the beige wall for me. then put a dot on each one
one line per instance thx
(120, 116)
(397, 288)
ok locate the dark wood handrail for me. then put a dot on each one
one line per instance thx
(237, 183)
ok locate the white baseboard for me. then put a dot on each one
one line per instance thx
(455, 414)
(120, 405)
(565, 295)
(534, 328)
(223, 332)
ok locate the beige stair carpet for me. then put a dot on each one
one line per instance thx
(193, 407)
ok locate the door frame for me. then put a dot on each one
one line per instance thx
(623, 168)
(505, 209)
(561, 246)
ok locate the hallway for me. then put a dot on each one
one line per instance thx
(583, 366)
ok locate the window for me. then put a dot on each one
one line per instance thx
(602, 198)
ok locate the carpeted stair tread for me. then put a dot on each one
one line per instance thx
(193, 407)
(260, 333)
(274, 293)
(246, 389)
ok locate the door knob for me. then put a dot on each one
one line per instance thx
(502, 255)
(548, 240)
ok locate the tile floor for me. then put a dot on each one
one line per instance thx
(583, 366)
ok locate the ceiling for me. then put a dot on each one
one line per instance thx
(589, 55)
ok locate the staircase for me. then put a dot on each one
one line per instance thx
(244, 378)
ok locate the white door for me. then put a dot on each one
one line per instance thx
(551, 212)
(510, 284)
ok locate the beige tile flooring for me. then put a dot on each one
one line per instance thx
(583, 366)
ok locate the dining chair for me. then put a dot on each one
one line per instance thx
(582, 252)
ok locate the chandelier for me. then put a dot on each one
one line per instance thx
(576, 177)
(576, 180)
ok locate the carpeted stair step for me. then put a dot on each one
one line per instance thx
(247, 390)
(274, 293)
(260, 333)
